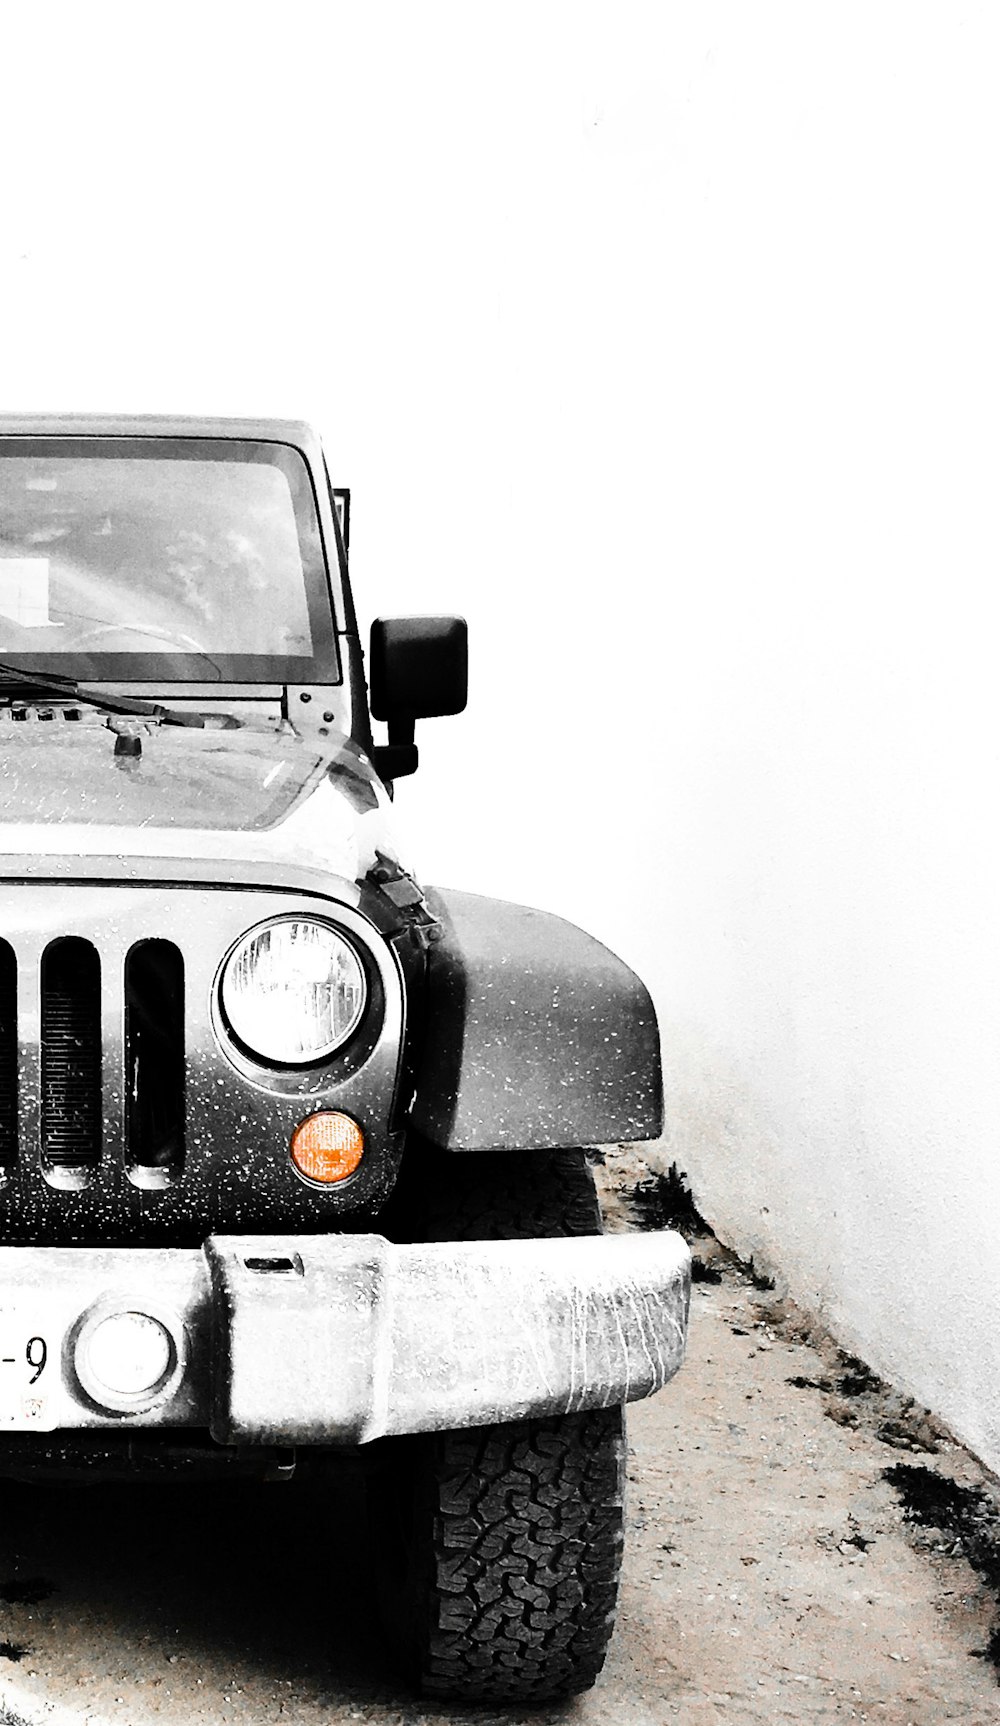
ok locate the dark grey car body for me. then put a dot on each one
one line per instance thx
(291, 1166)
(490, 1026)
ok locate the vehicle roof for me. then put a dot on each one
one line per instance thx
(294, 432)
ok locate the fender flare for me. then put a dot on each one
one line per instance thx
(535, 1035)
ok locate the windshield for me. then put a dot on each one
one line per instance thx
(164, 559)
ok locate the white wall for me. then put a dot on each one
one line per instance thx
(662, 341)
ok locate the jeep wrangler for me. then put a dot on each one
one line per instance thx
(291, 1173)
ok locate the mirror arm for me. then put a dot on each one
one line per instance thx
(401, 727)
(399, 757)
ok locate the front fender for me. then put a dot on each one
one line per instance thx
(535, 1037)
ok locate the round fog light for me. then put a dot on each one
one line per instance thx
(125, 1359)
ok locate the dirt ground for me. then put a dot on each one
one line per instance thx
(773, 1571)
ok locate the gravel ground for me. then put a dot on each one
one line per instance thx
(771, 1574)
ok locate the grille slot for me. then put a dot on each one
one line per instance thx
(71, 1055)
(8, 1055)
(154, 1055)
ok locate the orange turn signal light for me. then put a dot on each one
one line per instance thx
(327, 1146)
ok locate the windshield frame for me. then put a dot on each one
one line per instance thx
(322, 667)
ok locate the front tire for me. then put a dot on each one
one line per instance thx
(498, 1548)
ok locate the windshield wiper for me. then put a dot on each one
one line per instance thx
(16, 676)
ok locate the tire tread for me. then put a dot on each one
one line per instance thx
(514, 1531)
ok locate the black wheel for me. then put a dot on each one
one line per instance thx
(498, 1549)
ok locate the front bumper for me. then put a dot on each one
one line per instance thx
(336, 1339)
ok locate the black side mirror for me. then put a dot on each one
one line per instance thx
(419, 670)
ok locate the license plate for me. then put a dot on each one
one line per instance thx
(29, 1376)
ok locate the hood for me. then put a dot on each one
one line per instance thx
(237, 795)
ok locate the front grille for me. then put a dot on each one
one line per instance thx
(125, 1116)
(81, 1105)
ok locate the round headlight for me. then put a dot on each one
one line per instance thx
(293, 991)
